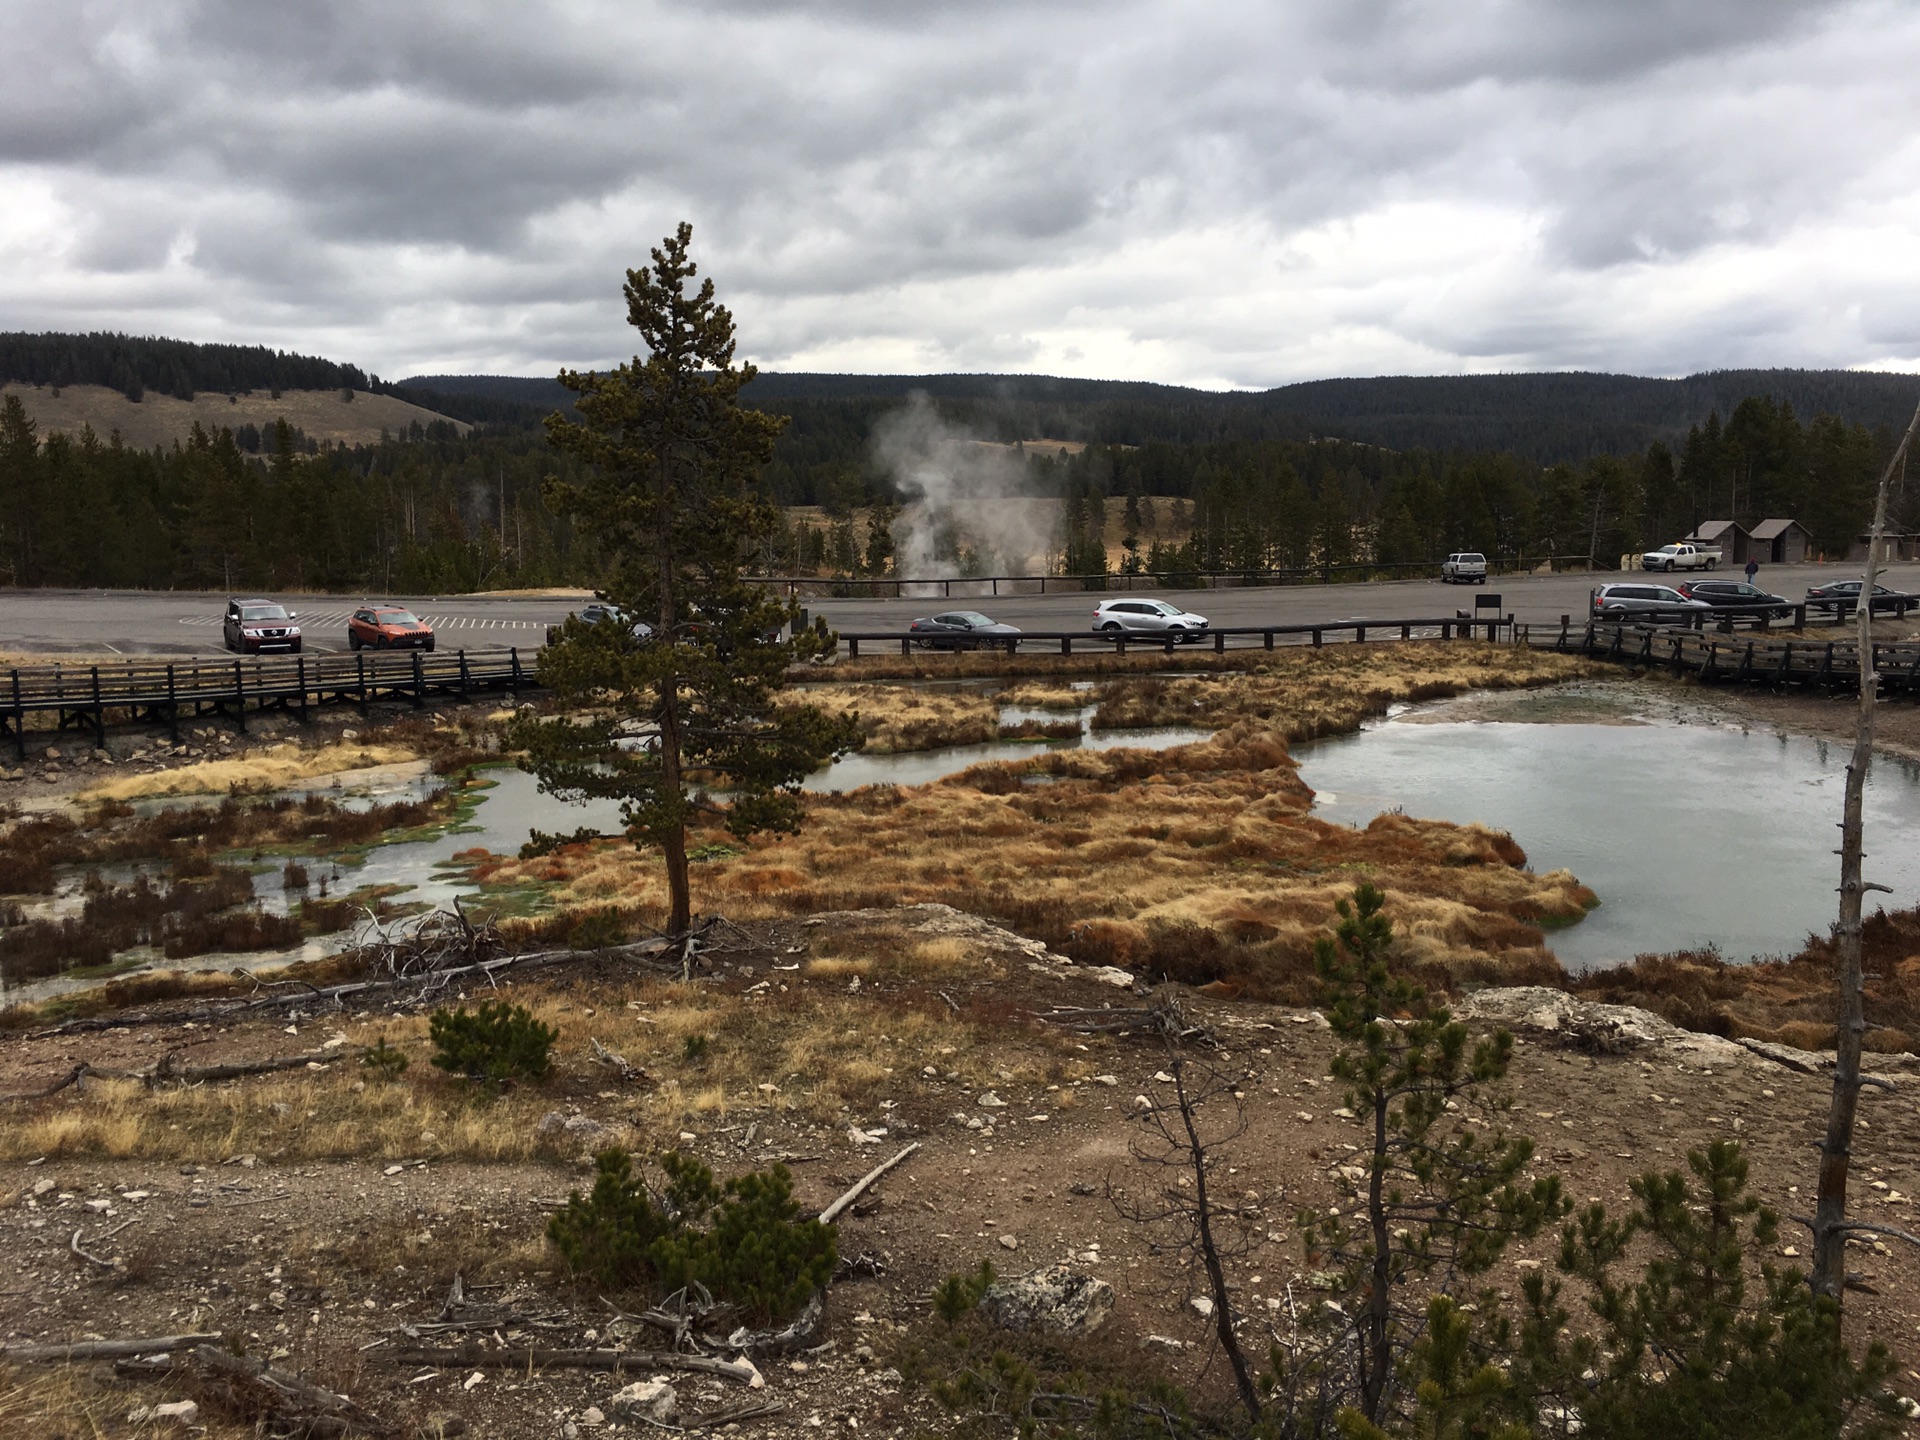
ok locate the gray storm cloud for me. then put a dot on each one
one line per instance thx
(1232, 194)
(961, 495)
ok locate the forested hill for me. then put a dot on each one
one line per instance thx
(1547, 417)
(135, 364)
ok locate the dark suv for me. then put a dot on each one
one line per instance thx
(252, 626)
(1719, 593)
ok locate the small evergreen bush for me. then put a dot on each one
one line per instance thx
(743, 1240)
(384, 1059)
(499, 1042)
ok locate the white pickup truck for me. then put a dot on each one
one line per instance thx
(1680, 557)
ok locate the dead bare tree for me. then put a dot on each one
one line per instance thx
(1202, 1225)
(1830, 1224)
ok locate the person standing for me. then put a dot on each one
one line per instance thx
(1753, 568)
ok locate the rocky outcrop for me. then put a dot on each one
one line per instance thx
(1058, 1299)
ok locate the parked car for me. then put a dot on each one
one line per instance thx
(386, 627)
(1680, 557)
(1735, 593)
(601, 613)
(964, 630)
(1843, 596)
(252, 626)
(1154, 616)
(1467, 567)
(1613, 602)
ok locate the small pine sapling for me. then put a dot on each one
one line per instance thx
(743, 1240)
(957, 1296)
(383, 1059)
(498, 1043)
(1442, 1195)
(1687, 1346)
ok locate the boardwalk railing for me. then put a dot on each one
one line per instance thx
(1762, 659)
(1245, 636)
(83, 696)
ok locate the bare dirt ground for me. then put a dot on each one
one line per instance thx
(314, 1218)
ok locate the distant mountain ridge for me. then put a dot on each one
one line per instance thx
(1542, 416)
(1545, 416)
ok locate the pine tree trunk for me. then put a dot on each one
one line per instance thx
(1376, 1341)
(1830, 1210)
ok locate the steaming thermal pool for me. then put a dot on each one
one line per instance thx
(1692, 834)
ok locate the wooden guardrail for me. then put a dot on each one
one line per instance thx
(1771, 659)
(1120, 641)
(83, 696)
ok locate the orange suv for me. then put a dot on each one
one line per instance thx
(387, 627)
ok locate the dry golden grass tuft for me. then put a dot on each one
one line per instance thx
(79, 1401)
(805, 1049)
(269, 769)
(895, 718)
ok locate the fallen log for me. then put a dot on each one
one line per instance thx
(107, 1349)
(70, 1078)
(332, 994)
(524, 1358)
(838, 1207)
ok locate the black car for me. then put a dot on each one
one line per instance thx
(1843, 596)
(251, 626)
(1730, 593)
(964, 630)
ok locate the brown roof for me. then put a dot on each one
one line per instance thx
(1715, 527)
(1773, 529)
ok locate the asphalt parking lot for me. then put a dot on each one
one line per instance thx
(53, 622)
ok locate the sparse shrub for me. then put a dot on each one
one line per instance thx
(955, 1297)
(743, 1240)
(499, 1042)
(600, 930)
(383, 1059)
(695, 1048)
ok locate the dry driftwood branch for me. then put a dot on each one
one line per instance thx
(525, 1357)
(72, 1077)
(838, 1207)
(728, 1417)
(107, 1349)
(287, 1395)
(801, 1331)
(615, 1061)
(334, 994)
(165, 1069)
(1163, 1016)
(78, 1248)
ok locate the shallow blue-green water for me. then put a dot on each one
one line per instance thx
(1691, 834)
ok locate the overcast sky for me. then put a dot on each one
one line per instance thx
(1200, 193)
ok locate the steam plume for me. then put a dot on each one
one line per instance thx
(963, 499)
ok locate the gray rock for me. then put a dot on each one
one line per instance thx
(587, 1131)
(646, 1400)
(1058, 1298)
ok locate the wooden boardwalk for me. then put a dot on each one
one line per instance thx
(87, 697)
(1775, 658)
